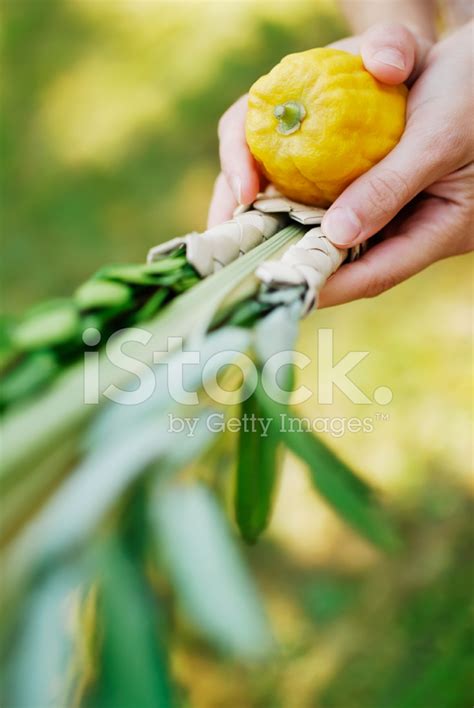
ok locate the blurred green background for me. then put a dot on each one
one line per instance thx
(109, 114)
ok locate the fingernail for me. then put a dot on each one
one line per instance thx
(341, 226)
(236, 187)
(390, 57)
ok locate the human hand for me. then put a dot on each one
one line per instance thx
(432, 158)
(419, 199)
(240, 179)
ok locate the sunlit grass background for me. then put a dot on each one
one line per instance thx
(109, 114)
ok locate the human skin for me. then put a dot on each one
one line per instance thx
(419, 199)
(417, 15)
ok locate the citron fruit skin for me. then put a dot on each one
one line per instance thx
(351, 122)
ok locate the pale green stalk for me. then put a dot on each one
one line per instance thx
(33, 431)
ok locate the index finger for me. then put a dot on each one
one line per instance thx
(238, 165)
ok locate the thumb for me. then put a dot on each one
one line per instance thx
(392, 53)
(372, 200)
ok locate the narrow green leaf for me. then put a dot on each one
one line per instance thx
(132, 666)
(213, 585)
(105, 319)
(163, 271)
(247, 313)
(8, 351)
(22, 492)
(350, 496)
(277, 332)
(165, 265)
(99, 480)
(37, 674)
(127, 273)
(102, 293)
(62, 408)
(113, 418)
(197, 309)
(47, 325)
(63, 525)
(257, 472)
(28, 377)
(183, 283)
(152, 305)
(258, 462)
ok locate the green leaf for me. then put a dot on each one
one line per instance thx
(98, 481)
(38, 671)
(247, 313)
(349, 495)
(114, 418)
(212, 583)
(152, 305)
(132, 667)
(105, 319)
(277, 332)
(47, 325)
(195, 310)
(165, 265)
(127, 273)
(162, 272)
(28, 377)
(22, 491)
(61, 408)
(185, 282)
(258, 462)
(102, 293)
(257, 472)
(62, 525)
(8, 351)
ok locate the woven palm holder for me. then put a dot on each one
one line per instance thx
(308, 263)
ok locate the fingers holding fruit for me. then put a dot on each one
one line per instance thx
(390, 52)
(439, 225)
(319, 120)
(237, 162)
(437, 141)
(243, 173)
(331, 128)
(223, 202)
